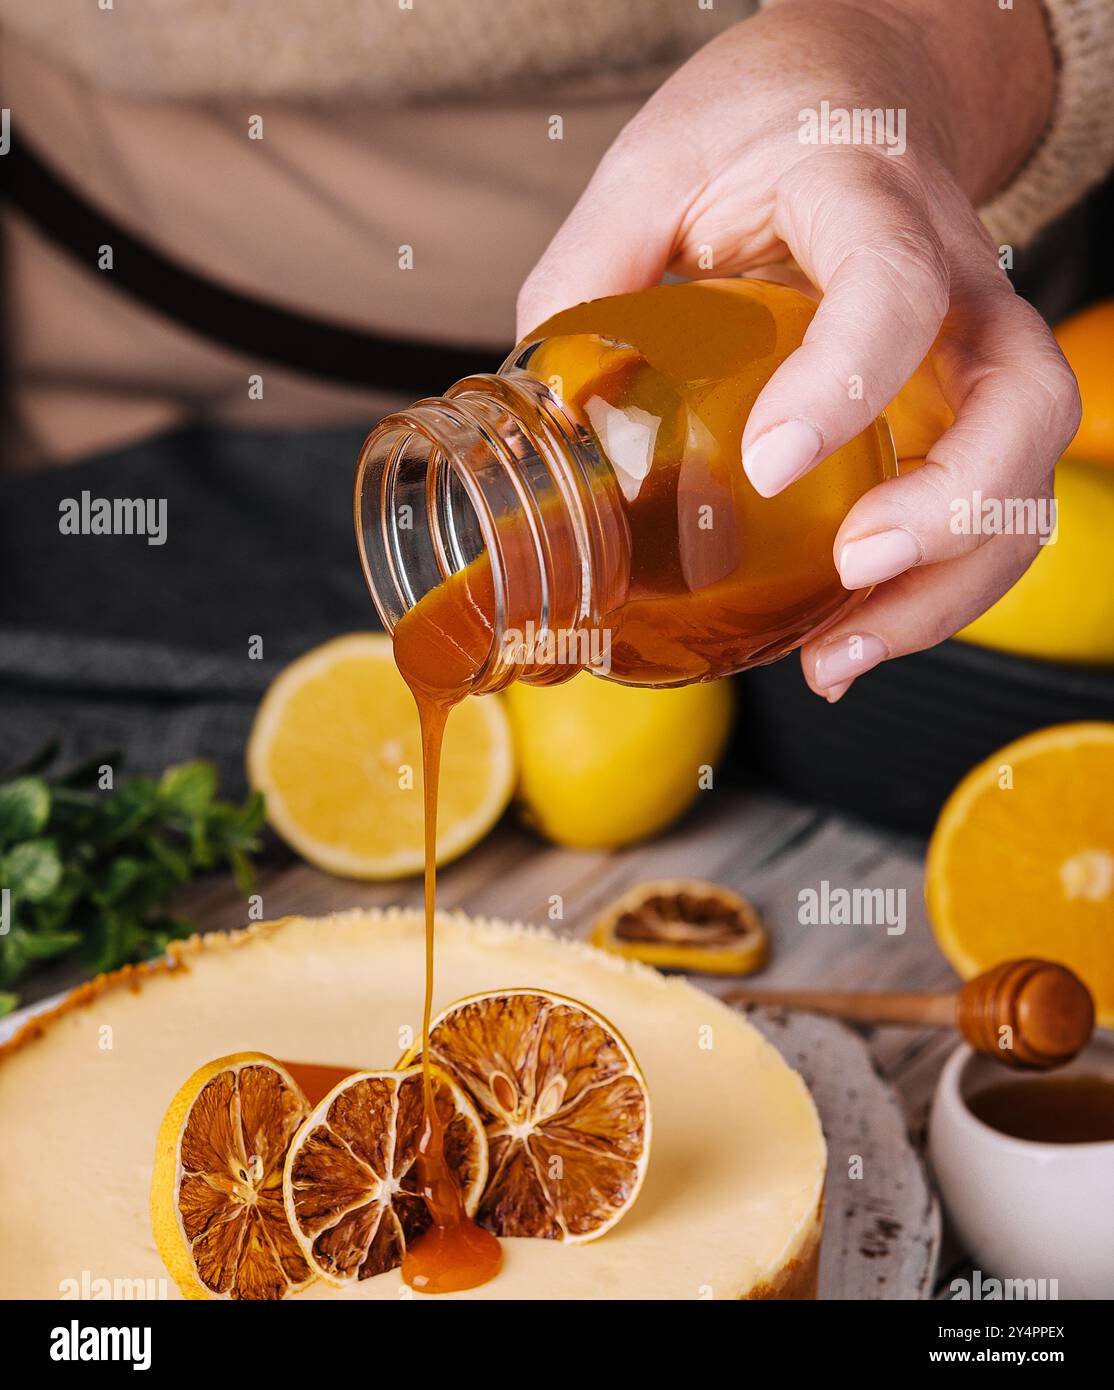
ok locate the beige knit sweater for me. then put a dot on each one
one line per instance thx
(392, 51)
(388, 123)
(386, 51)
(1078, 148)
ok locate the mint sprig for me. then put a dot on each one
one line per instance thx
(92, 874)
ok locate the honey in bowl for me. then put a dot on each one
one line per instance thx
(1051, 1110)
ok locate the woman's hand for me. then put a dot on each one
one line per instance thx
(711, 177)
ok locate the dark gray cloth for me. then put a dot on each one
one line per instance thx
(109, 642)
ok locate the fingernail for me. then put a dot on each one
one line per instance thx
(779, 457)
(845, 658)
(877, 558)
(838, 691)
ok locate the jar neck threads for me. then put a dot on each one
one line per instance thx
(497, 483)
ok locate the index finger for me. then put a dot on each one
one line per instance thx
(872, 249)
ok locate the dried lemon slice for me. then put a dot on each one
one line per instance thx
(216, 1191)
(564, 1105)
(685, 924)
(352, 1193)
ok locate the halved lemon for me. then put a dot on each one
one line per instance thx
(564, 1105)
(352, 1193)
(336, 750)
(1021, 862)
(216, 1192)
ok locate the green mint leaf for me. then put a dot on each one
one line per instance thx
(32, 870)
(13, 954)
(40, 945)
(201, 846)
(188, 789)
(8, 1002)
(121, 813)
(252, 814)
(24, 808)
(242, 871)
(103, 945)
(246, 823)
(172, 860)
(120, 878)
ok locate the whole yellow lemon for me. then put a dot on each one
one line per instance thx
(1062, 607)
(602, 765)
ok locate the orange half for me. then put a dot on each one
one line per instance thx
(1021, 862)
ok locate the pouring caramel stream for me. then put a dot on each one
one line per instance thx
(455, 1253)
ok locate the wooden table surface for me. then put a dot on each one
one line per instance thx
(768, 848)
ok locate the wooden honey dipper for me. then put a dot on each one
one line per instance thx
(1048, 1009)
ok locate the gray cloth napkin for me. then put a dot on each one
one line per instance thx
(107, 641)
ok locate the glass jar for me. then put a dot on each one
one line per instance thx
(586, 507)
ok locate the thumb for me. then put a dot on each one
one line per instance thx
(618, 238)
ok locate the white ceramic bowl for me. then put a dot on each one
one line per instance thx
(1025, 1210)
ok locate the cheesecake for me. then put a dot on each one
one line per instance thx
(732, 1202)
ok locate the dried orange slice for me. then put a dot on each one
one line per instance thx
(216, 1192)
(1021, 863)
(352, 1194)
(564, 1104)
(684, 924)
